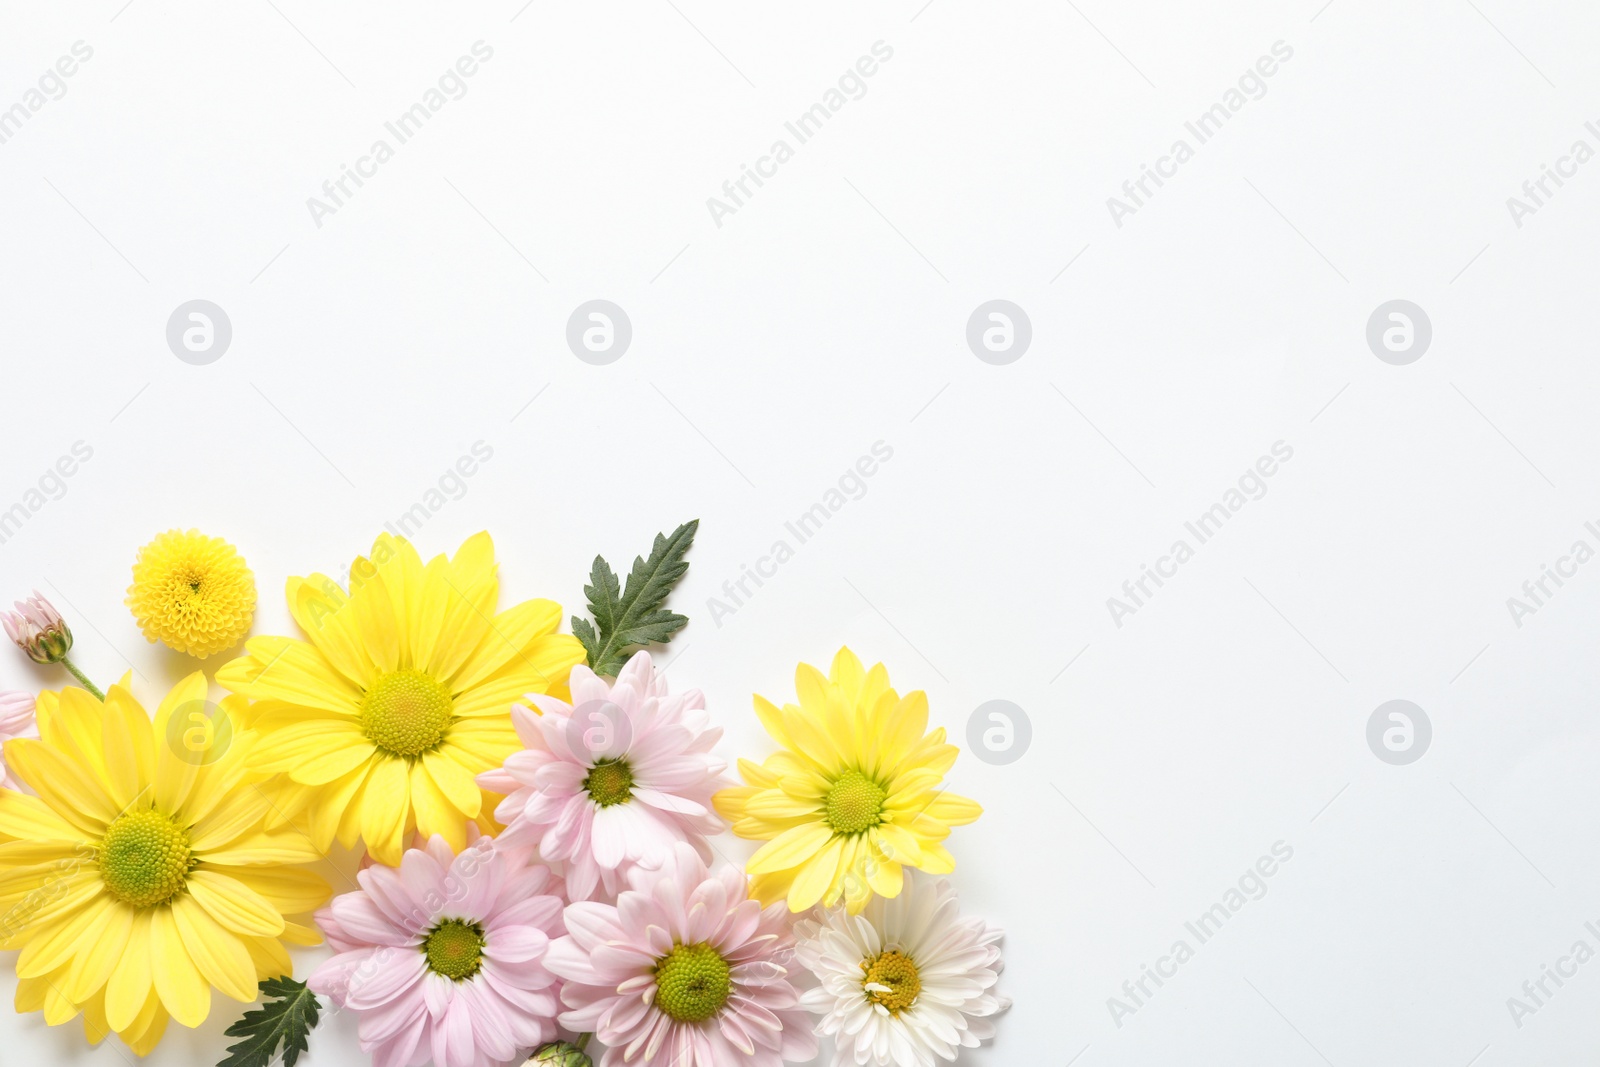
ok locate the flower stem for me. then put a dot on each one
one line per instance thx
(582, 1042)
(83, 679)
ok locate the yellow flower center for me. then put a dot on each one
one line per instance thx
(405, 713)
(892, 981)
(455, 949)
(854, 804)
(145, 858)
(609, 782)
(692, 983)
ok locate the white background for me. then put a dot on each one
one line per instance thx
(829, 313)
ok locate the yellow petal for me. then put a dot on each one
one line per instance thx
(269, 956)
(234, 904)
(239, 815)
(54, 944)
(810, 741)
(771, 717)
(129, 748)
(385, 804)
(847, 673)
(299, 934)
(218, 955)
(510, 634)
(145, 1032)
(470, 595)
(953, 810)
(816, 876)
(812, 689)
(436, 814)
(373, 609)
(433, 595)
(482, 742)
(70, 791)
(130, 986)
(281, 668)
(289, 890)
(99, 952)
(29, 818)
(330, 803)
(183, 991)
(75, 731)
(454, 781)
(277, 846)
(318, 605)
(175, 772)
(58, 1007)
(789, 849)
(30, 995)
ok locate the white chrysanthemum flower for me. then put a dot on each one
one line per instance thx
(904, 983)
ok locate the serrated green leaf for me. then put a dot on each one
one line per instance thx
(287, 1015)
(635, 615)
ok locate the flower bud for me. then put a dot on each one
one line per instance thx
(560, 1054)
(38, 629)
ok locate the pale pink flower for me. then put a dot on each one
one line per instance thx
(685, 970)
(38, 629)
(443, 958)
(616, 778)
(16, 720)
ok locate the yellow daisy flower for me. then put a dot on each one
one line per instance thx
(855, 796)
(192, 593)
(402, 695)
(140, 877)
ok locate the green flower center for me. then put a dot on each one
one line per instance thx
(896, 978)
(405, 713)
(609, 782)
(455, 949)
(692, 983)
(854, 804)
(145, 858)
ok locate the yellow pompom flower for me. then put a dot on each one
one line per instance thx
(192, 593)
(854, 797)
(402, 695)
(140, 877)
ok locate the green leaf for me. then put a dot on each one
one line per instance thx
(635, 615)
(287, 1015)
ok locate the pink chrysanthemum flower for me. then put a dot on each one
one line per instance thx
(616, 778)
(685, 970)
(443, 959)
(16, 720)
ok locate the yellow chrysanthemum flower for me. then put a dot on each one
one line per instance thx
(402, 695)
(140, 876)
(853, 799)
(192, 593)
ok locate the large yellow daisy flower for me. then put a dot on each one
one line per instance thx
(853, 799)
(140, 877)
(402, 695)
